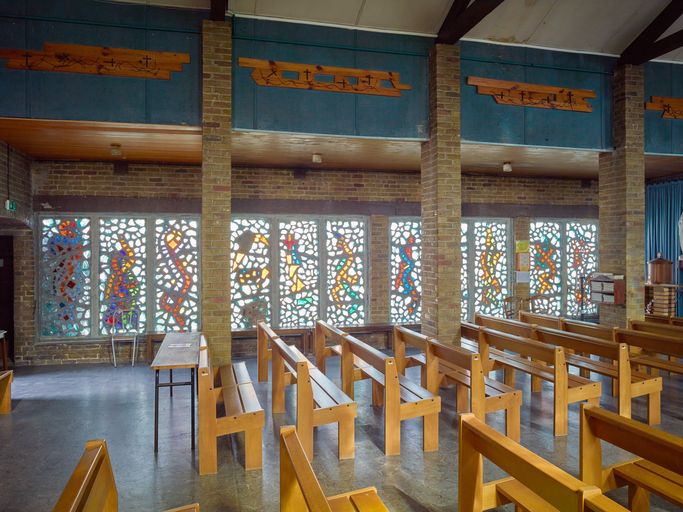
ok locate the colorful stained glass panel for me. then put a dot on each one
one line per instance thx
(464, 266)
(490, 266)
(345, 245)
(406, 271)
(582, 260)
(545, 241)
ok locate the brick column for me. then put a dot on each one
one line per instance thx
(622, 197)
(216, 191)
(521, 228)
(379, 269)
(441, 198)
(24, 298)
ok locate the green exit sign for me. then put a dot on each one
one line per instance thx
(11, 205)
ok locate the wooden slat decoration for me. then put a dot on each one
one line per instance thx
(96, 60)
(534, 95)
(292, 75)
(672, 108)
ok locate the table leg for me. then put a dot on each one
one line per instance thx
(156, 411)
(4, 353)
(192, 402)
(171, 377)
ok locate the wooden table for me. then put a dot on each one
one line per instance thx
(178, 350)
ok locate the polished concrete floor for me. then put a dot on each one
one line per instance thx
(56, 409)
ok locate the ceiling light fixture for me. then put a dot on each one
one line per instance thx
(116, 149)
(317, 158)
(507, 167)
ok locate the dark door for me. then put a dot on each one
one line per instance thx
(7, 291)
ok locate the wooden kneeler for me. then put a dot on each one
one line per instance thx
(534, 483)
(228, 388)
(300, 490)
(6, 391)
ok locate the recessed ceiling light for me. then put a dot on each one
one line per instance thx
(116, 149)
(317, 158)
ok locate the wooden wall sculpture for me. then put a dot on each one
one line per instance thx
(96, 60)
(271, 73)
(672, 108)
(534, 95)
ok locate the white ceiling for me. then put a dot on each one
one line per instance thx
(591, 26)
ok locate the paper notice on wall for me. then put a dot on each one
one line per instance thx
(522, 246)
(522, 277)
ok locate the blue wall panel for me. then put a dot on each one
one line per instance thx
(483, 120)
(321, 112)
(31, 23)
(663, 136)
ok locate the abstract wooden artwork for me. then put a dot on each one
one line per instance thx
(534, 95)
(672, 108)
(271, 73)
(96, 60)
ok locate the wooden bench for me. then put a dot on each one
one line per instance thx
(263, 351)
(318, 400)
(227, 404)
(627, 384)
(658, 470)
(402, 398)
(6, 391)
(599, 331)
(92, 488)
(652, 346)
(549, 364)
(671, 320)
(300, 490)
(673, 331)
(534, 484)
(455, 365)
(325, 333)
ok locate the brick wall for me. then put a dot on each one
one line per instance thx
(523, 190)
(19, 187)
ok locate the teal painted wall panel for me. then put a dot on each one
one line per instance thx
(664, 136)
(320, 112)
(13, 100)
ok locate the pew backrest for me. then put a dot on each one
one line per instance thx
(674, 331)
(91, 486)
(603, 332)
(540, 320)
(523, 346)
(578, 342)
(515, 327)
(650, 342)
(469, 331)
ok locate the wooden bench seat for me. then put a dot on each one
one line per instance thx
(463, 368)
(658, 470)
(300, 490)
(92, 488)
(534, 484)
(229, 388)
(318, 400)
(652, 346)
(402, 398)
(548, 363)
(6, 378)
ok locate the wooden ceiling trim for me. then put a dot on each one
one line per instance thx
(463, 17)
(646, 46)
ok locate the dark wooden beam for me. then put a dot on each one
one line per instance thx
(218, 10)
(645, 47)
(463, 18)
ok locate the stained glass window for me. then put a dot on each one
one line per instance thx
(406, 271)
(464, 267)
(250, 271)
(65, 277)
(345, 245)
(545, 241)
(123, 256)
(490, 266)
(176, 275)
(582, 260)
(299, 273)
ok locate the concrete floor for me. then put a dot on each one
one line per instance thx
(56, 409)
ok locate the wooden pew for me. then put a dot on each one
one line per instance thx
(548, 363)
(231, 387)
(653, 345)
(92, 488)
(673, 331)
(318, 400)
(451, 364)
(534, 484)
(553, 322)
(6, 378)
(658, 468)
(263, 350)
(671, 320)
(325, 332)
(300, 490)
(603, 332)
(402, 398)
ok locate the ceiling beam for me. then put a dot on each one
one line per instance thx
(218, 10)
(646, 47)
(463, 17)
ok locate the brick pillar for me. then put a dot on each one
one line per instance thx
(24, 298)
(521, 228)
(379, 269)
(216, 191)
(622, 196)
(441, 198)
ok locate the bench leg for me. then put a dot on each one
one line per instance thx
(392, 425)
(208, 456)
(430, 432)
(512, 421)
(638, 499)
(6, 395)
(509, 376)
(377, 394)
(461, 399)
(347, 438)
(654, 408)
(253, 448)
(536, 384)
